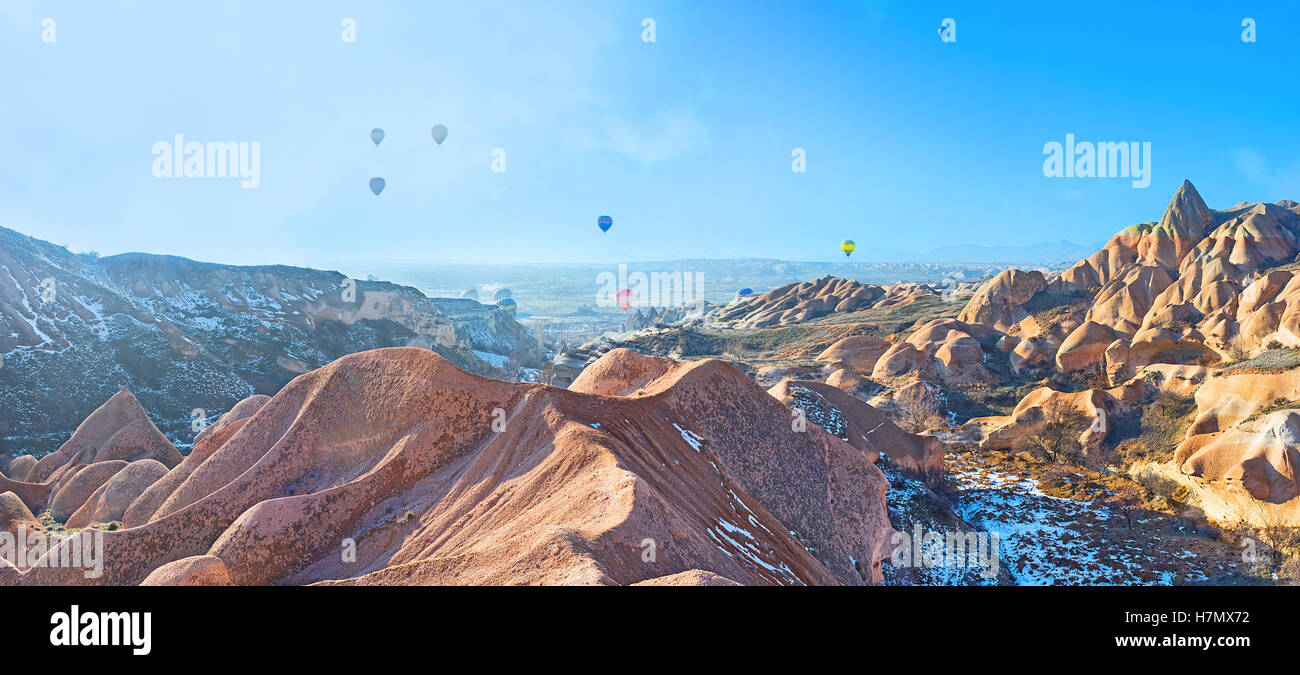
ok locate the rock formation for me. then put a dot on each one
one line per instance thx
(394, 467)
(185, 334)
(997, 304)
(944, 349)
(864, 427)
(795, 303)
(858, 353)
(1189, 288)
(118, 434)
(1260, 456)
(1095, 409)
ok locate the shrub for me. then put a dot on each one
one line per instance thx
(1093, 375)
(1126, 498)
(1057, 438)
(919, 413)
(1162, 425)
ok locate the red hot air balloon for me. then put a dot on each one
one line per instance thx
(624, 298)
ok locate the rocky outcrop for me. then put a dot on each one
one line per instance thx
(1244, 434)
(1033, 353)
(688, 578)
(622, 372)
(567, 365)
(1158, 305)
(1085, 347)
(186, 334)
(864, 427)
(423, 474)
(1193, 287)
(108, 503)
(648, 317)
(1095, 409)
(799, 302)
(943, 349)
(1175, 379)
(1268, 312)
(117, 433)
(858, 353)
(1260, 456)
(80, 483)
(1228, 397)
(13, 512)
(1184, 223)
(198, 570)
(118, 429)
(848, 381)
(997, 304)
(21, 467)
(146, 506)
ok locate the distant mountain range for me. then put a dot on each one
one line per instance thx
(559, 289)
(1046, 253)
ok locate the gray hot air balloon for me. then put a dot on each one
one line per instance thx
(377, 185)
(377, 135)
(439, 133)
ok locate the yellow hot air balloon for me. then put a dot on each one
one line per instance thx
(847, 246)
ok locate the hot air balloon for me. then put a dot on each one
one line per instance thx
(604, 223)
(439, 134)
(508, 304)
(377, 185)
(744, 292)
(624, 298)
(847, 246)
(377, 135)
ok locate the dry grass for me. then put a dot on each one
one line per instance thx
(1271, 361)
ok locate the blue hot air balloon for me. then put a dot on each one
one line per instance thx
(744, 292)
(508, 304)
(377, 135)
(604, 223)
(377, 185)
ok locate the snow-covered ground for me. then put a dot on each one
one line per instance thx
(1047, 540)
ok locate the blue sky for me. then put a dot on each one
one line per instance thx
(911, 143)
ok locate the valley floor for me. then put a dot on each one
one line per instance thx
(1048, 540)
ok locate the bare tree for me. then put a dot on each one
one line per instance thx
(1272, 530)
(915, 414)
(1236, 349)
(1291, 573)
(1093, 375)
(1057, 438)
(1126, 498)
